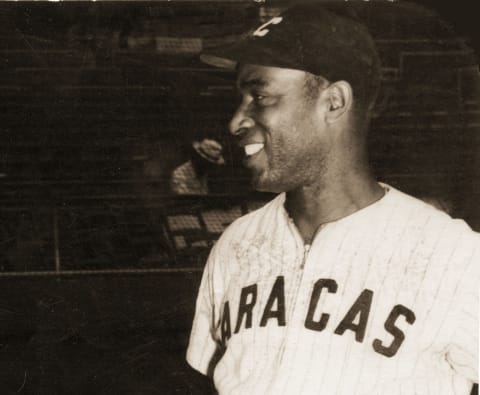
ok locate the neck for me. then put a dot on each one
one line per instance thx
(314, 205)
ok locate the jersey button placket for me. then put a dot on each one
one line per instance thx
(293, 319)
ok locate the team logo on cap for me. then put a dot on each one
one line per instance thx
(263, 31)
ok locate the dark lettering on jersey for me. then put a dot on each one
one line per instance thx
(331, 287)
(360, 309)
(245, 307)
(355, 319)
(225, 325)
(276, 296)
(398, 335)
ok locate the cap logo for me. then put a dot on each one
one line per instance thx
(262, 31)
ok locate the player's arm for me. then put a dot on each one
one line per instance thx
(197, 383)
(462, 351)
(203, 345)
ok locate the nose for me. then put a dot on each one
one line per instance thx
(241, 120)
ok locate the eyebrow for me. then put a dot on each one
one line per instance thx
(252, 83)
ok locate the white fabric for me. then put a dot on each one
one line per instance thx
(401, 250)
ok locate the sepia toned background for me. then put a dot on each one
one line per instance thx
(100, 258)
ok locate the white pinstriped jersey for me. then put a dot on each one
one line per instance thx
(384, 302)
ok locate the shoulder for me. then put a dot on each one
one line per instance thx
(253, 225)
(423, 210)
(429, 225)
(256, 221)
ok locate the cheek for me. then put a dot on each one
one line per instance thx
(294, 137)
(288, 130)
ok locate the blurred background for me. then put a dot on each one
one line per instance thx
(117, 173)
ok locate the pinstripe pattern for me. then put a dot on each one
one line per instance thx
(399, 250)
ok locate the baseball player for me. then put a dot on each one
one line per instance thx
(341, 284)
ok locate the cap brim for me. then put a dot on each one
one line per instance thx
(216, 61)
(249, 52)
(244, 51)
(226, 56)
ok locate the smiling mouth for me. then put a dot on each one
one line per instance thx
(252, 149)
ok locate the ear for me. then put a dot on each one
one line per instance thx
(339, 96)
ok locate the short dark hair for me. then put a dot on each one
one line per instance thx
(313, 84)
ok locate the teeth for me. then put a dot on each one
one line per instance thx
(252, 149)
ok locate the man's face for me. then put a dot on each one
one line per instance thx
(281, 128)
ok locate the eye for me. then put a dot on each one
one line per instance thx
(263, 100)
(258, 97)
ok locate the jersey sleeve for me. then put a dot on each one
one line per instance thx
(462, 349)
(203, 344)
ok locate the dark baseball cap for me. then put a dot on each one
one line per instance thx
(331, 42)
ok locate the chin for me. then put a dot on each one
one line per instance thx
(263, 184)
(260, 185)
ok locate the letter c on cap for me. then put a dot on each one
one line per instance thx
(261, 31)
